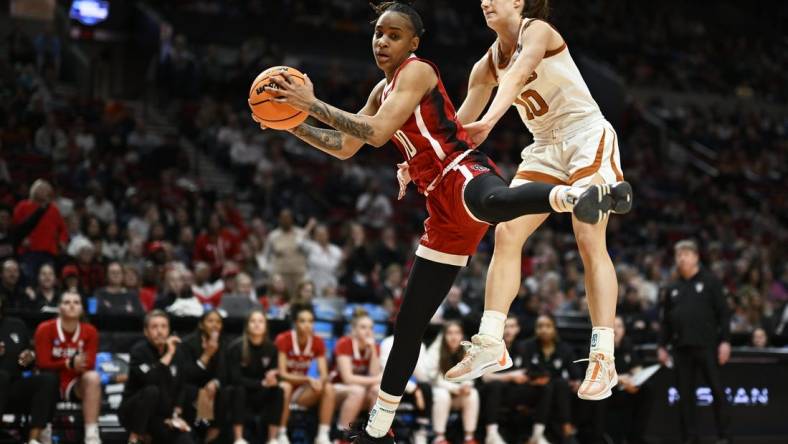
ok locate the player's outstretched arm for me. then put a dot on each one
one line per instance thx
(415, 80)
(538, 37)
(333, 142)
(480, 87)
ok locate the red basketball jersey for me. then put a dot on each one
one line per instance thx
(54, 348)
(433, 136)
(347, 347)
(298, 360)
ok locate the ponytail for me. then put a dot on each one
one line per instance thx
(538, 9)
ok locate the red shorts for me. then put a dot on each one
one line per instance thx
(451, 233)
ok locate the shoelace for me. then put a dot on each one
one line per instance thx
(604, 363)
(470, 352)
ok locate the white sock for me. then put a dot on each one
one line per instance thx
(602, 340)
(492, 429)
(323, 429)
(468, 436)
(382, 414)
(563, 198)
(282, 431)
(91, 429)
(492, 324)
(538, 430)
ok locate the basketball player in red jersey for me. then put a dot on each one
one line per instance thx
(357, 371)
(69, 347)
(464, 192)
(297, 349)
(574, 144)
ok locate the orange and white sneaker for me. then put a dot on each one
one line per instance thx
(484, 354)
(600, 378)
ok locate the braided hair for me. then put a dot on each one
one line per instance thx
(402, 7)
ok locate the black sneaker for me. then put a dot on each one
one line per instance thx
(358, 435)
(598, 201)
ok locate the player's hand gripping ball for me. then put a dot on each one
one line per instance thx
(268, 108)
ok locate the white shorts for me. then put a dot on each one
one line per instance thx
(573, 161)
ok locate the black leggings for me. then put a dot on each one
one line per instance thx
(263, 401)
(490, 199)
(36, 394)
(144, 413)
(428, 284)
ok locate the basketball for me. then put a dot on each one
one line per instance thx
(275, 115)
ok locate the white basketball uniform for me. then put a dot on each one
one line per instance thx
(572, 139)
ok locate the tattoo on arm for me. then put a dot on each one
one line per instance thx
(325, 138)
(341, 121)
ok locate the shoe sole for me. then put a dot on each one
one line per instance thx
(599, 201)
(490, 367)
(603, 395)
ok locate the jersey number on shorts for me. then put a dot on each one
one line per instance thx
(534, 104)
(410, 150)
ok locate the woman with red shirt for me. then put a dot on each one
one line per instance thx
(297, 349)
(358, 371)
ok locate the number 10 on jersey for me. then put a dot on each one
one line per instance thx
(534, 104)
(410, 150)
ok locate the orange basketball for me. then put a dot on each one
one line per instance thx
(275, 115)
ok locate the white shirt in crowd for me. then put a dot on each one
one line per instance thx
(322, 265)
(103, 210)
(374, 209)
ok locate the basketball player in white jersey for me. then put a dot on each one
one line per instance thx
(573, 144)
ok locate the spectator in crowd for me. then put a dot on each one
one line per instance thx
(548, 362)
(696, 322)
(359, 264)
(35, 394)
(182, 252)
(285, 252)
(50, 137)
(115, 298)
(418, 390)
(526, 307)
(443, 354)
(115, 245)
(221, 240)
(91, 272)
(253, 369)
(204, 375)
(759, 338)
(373, 207)
(323, 260)
(453, 308)
(305, 292)
(512, 388)
(388, 250)
(358, 371)
(277, 295)
(44, 296)
(68, 346)
(152, 397)
(49, 236)
(204, 289)
(243, 300)
(70, 278)
(11, 289)
(390, 293)
(12, 235)
(298, 348)
(176, 297)
(139, 226)
(98, 206)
